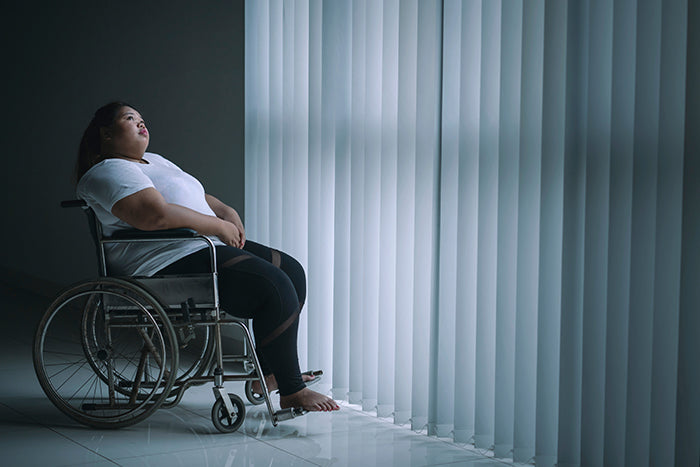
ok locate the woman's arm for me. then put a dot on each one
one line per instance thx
(148, 210)
(227, 213)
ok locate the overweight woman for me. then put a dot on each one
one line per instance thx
(128, 187)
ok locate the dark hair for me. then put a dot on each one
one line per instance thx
(89, 150)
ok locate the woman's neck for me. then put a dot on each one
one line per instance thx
(111, 155)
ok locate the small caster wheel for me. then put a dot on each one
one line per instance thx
(255, 399)
(224, 422)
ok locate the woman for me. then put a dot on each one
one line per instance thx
(130, 188)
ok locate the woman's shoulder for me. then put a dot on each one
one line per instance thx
(109, 171)
(107, 166)
(110, 180)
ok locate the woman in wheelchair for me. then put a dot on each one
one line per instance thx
(128, 187)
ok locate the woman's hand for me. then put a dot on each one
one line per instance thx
(231, 235)
(227, 213)
(235, 219)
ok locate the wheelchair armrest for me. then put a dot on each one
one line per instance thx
(134, 234)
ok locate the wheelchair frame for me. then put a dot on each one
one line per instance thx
(109, 306)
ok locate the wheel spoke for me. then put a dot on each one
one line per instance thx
(73, 374)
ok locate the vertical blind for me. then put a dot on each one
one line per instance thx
(487, 197)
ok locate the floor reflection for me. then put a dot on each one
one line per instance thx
(34, 432)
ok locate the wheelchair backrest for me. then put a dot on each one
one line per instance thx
(95, 231)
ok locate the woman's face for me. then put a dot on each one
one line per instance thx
(128, 134)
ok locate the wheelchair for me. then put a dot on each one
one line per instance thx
(110, 351)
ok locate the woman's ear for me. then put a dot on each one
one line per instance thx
(105, 133)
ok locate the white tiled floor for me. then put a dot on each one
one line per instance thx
(33, 432)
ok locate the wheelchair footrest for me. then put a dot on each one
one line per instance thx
(288, 414)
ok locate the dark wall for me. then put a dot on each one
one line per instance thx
(180, 63)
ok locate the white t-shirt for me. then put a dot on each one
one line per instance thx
(113, 179)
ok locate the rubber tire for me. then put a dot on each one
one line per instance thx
(253, 398)
(219, 415)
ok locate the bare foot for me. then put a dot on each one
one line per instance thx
(309, 400)
(271, 382)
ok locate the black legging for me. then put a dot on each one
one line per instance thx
(268, 286)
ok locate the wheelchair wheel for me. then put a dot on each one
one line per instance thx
(225, 422)
(253, 398)
(105, 353)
